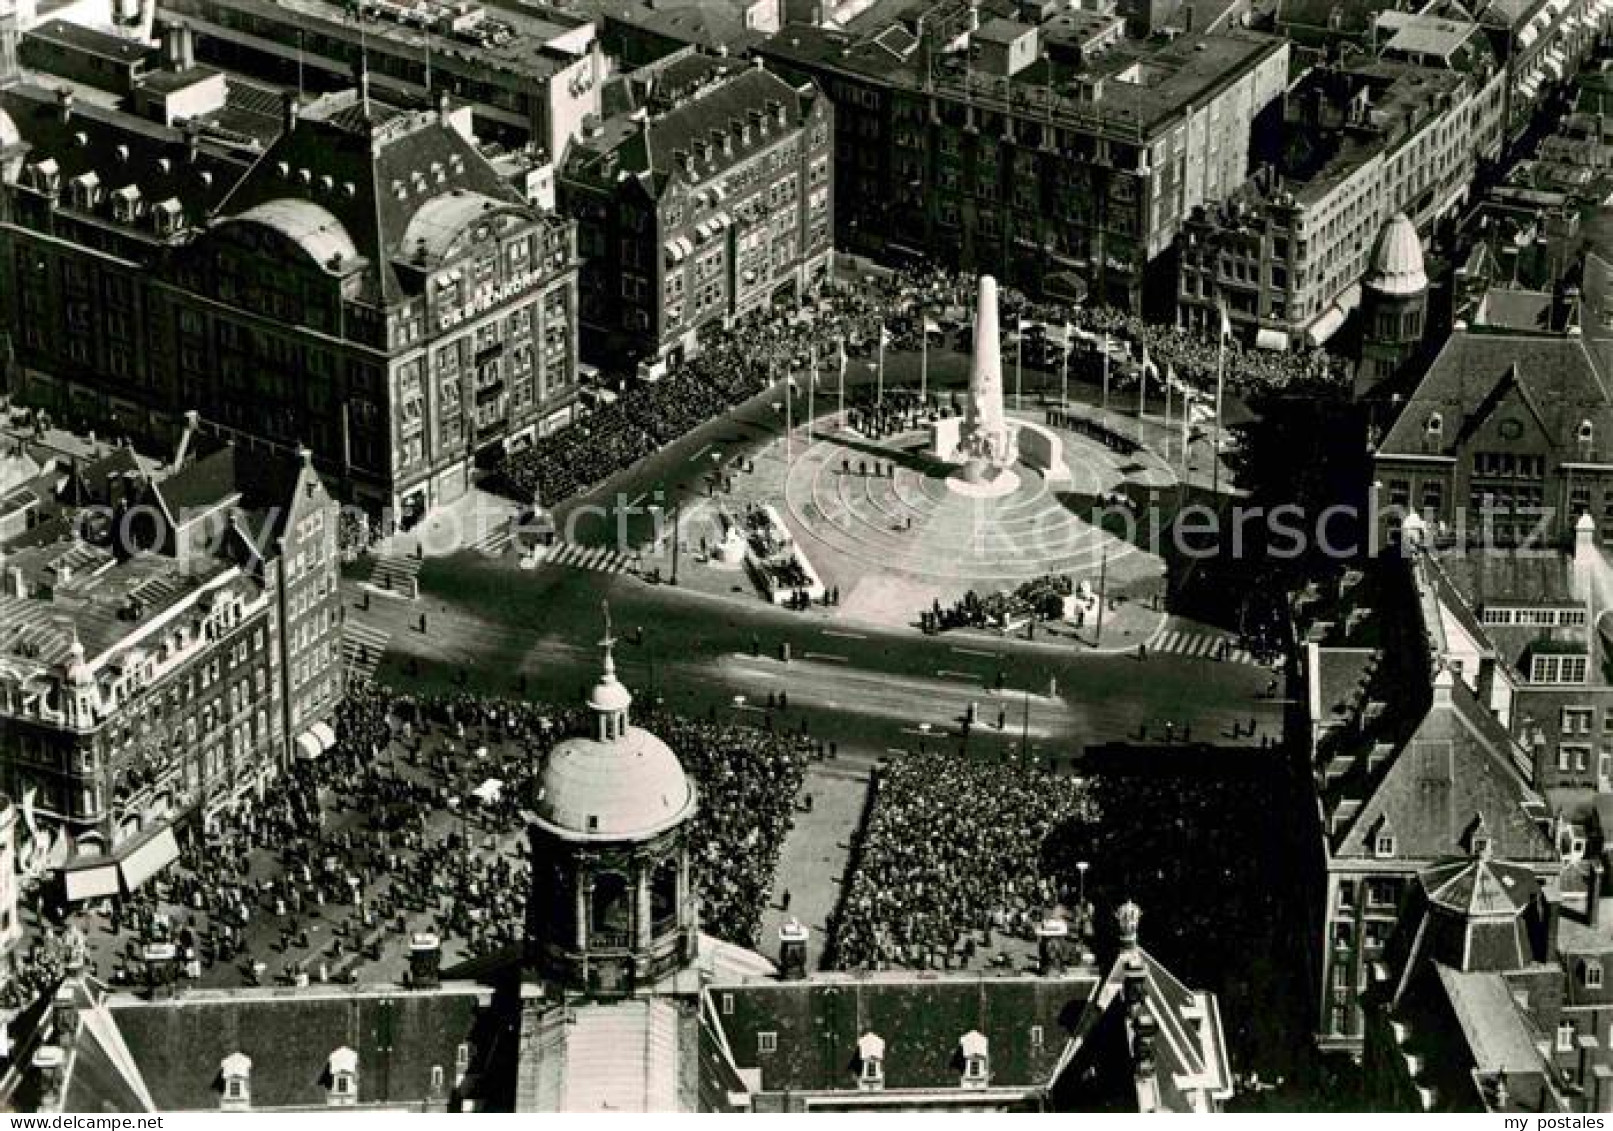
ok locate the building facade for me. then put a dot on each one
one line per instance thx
(1065, 172)
(702, 204)
(1288, 253)
(368, 286)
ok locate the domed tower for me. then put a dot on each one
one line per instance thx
(1394, 304)
(612, 903)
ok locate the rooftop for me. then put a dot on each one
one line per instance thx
(1133, 88)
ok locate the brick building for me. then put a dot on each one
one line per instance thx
(164, 654)
(368, 286)
(1358, 145)
(705, 201)
(1062, 170)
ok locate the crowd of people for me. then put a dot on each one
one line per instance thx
(1040, 598)
(951, 856)
(772, 344)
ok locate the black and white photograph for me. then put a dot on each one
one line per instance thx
(634, 557)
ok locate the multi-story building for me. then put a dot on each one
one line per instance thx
(368, 286)
(529, 77)
(1506, 439)
(1408, 760)
(165, 654)
(701, 204)
(1359, 145)
(642, 1011)
(1494, 996)
(1068, 173)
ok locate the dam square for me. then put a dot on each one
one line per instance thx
(795, 556)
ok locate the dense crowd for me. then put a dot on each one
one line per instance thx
(952, 853)
(768, 345)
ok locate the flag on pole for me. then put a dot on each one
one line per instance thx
(884, 336)
(1148, 364)
(1226, 323)
(931, 326)
(1024, 324)
(845, 359)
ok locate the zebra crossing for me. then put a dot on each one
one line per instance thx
(1200, 645)
(587, 557)
(497, 540)
(363, 645)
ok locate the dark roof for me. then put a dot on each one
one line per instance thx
(1551, 381)
(202, 484)
(646, 149)
(90, 41)
(158, 159)
(378, 151)
(1456, 764)
(921, 1019)
(177, 1046)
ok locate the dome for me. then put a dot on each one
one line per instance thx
(1480, 887)
(609, 695)
(1397, 259)
(625, 787)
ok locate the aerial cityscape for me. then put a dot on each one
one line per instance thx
(783, 556)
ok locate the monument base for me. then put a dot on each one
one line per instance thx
(989, 483)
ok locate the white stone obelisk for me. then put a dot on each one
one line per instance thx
(985, 442)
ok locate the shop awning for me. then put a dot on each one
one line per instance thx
(308, 747)
(91, 883)
(149, 859)
(1326, 326)
(325, 733)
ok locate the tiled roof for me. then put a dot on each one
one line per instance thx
(399, 1037)
(817, 1024)
(1457, 763)
(373, 160)
(647, 150)
(1553, 377)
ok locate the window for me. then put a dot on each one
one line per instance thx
(727, 1005)
(236, 1070)
(1383, 844)
(1565, 1037)
(1593, 975)
(767, 1042)
(1577, 720)
(1036, 1037)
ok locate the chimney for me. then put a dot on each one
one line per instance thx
(15, 585)
(64, 103)
(290, 108)
(1052, 938)
(305, 455)
(425, 960)
(444, 107)
(48, 1066)
(792, 950)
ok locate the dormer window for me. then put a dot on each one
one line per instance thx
(1587, 434)
(1383, 844)
(126, 204)
(1592, 974)
(1434, 427)
(870, 1062)
(976, 1063)
(235, 1071)
(341, 1073)
(85, 191)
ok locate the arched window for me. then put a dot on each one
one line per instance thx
(612, 909)
(1435, 426)
(664, 893)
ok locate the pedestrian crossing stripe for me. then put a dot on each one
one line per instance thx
(362, 648)
(587, 557)
(1200, 645)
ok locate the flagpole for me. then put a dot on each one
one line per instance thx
(1220, 374)
(924, 358)
(879, 393)
(1064, 375)
(1167, 416)
(789, 422)
(1019, 364)
(812, 386)
(842, 382)
(1105, 414)
(1142, 395)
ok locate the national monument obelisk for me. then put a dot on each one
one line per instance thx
(985, 442)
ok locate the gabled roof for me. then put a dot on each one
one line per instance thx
(1455, 763)
(1555, 376)
(372, 168)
